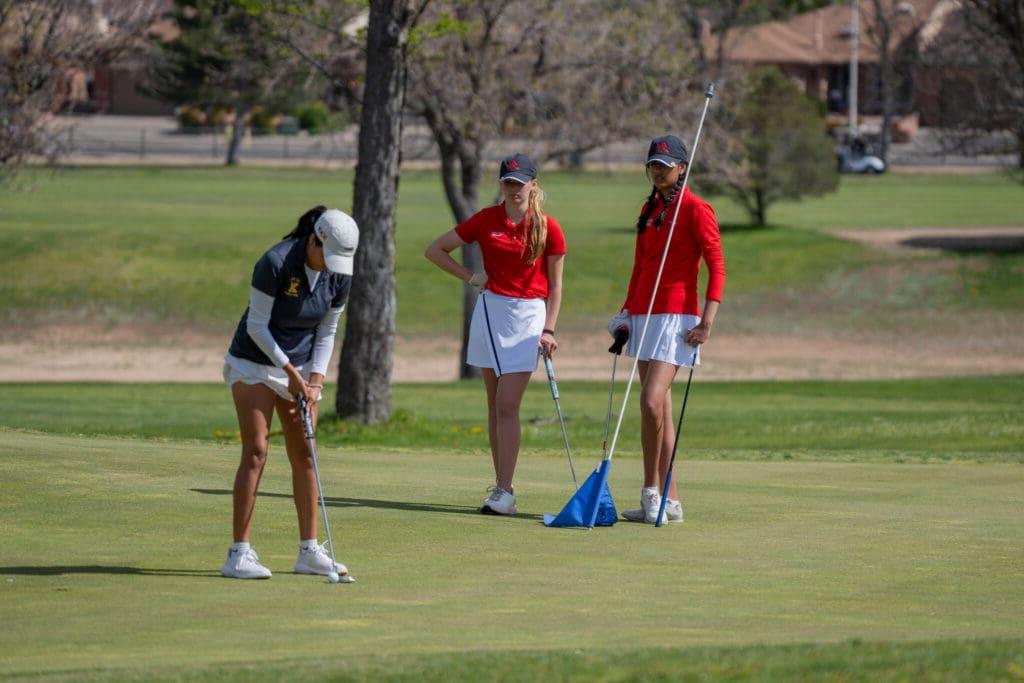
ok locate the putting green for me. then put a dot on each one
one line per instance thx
(109, 552)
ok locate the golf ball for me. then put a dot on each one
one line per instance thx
(333, 577)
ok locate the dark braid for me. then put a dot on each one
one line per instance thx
(641, 225)
(304, 227)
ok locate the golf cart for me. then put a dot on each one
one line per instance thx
(854, 158)
(865, 163)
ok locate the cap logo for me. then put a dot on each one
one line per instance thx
(663, 147)
(512, 165)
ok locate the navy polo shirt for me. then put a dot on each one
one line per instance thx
(297, 311)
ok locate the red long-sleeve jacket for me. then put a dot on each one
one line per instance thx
(695, 237)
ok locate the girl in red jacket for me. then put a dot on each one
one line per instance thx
(676, 328)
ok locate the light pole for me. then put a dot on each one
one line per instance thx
(854, 39)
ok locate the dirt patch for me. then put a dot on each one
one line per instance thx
(152, 354)
(924, 241)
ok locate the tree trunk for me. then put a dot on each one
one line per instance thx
(760, 208)
(1020, 147)
(237, 132)
(364, 375)
(460, 176)
(472, 260)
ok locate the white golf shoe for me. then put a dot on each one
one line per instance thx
(673, 511)
(500, 502)
(316, 560)
(650, 501)
(244, 564)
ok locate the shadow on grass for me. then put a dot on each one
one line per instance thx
(58, 570)
(379, 504)
(970, 244)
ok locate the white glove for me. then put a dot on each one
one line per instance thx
(477, 280)
(620, 320)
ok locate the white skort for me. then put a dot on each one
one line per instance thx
(664, 338)
(504, 334)
(246, 371)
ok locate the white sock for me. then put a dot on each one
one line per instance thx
(648, 490)
(241, 546)
(673, 503)
(307, 544)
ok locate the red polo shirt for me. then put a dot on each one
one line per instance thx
(696, 236)
(504, 248)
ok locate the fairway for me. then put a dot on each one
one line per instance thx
(110, 551)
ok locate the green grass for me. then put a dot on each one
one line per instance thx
(783, 571)
(855, 531)
(178, 244)
(908, 201)
(927, 420)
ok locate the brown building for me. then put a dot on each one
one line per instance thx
(814, 48)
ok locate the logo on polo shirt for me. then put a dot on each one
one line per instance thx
(293, 287)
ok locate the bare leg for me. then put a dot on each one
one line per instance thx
(254, 404)
(667, 443)
(507, 399)
(491, 384)
(304, 489)
(656, 427)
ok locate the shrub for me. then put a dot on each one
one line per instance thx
(262, 120)
(314, 116)
(191, 117)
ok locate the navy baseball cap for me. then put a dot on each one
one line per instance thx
(517, 167)
(668, 150)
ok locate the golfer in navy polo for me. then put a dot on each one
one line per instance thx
(281, 349)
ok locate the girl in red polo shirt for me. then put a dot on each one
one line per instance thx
(676, 328)
(517, 309)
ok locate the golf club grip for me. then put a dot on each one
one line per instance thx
(307, 420)
(551, 377)
(621, 337)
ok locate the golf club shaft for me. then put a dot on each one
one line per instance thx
(608, 414)
(558, 409)
(621, 337)
(675, 446)
(307, 424)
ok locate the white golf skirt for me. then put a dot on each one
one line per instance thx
(504, 334)
(246, 371)
(664, 339)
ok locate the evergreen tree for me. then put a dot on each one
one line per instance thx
(775, 147)
(224, 58)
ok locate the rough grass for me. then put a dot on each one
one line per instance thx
(928, 420)
(178, 245)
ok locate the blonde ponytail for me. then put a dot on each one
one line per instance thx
(538, 237)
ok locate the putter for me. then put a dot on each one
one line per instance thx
(558, 409)
(675, 444)
(621, 337)
(307, 426)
